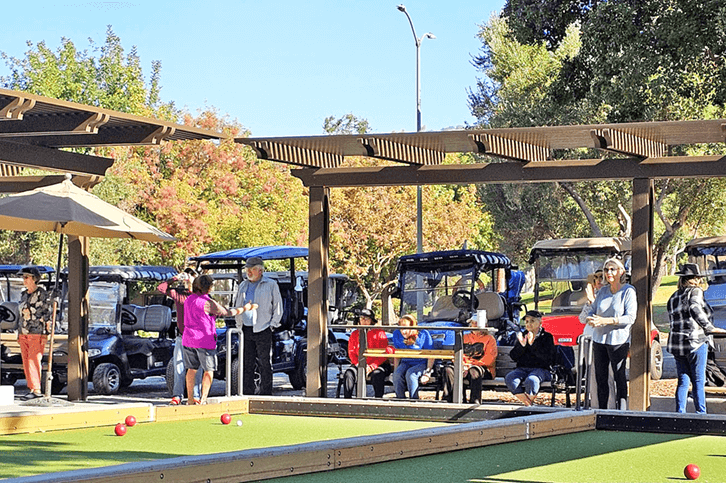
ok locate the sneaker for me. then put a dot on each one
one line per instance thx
(175, 401)
(197, 401)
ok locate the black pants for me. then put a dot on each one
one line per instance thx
(475, 376)
(257, 348)
(377, 378)
(604, 356)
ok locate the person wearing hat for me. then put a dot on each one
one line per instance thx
(480, 356)
(534, 352)
(377, 368)
(179, 293)
(611, 316)
(691, 320)
(35, 320)
(257, 324)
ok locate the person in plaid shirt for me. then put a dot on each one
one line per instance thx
(691, 323)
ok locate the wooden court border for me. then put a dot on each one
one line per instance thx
(266, 463)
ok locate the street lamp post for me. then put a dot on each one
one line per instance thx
(419, 206)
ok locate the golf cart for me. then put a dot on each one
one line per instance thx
(289, 341)
(11, 286)
(561, 268)
(445, 288)
(129, 326)
(710, 256)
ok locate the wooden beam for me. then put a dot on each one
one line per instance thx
(618, 141)
(392, 150)
(32, 156)
(78, 306)
(18, 184)
(54, 125)
(317, 357)
(509, 148)
(16, 108)
(297, 155)
(509, 172)
(642, 273)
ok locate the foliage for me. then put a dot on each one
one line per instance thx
(633, 61)
(348, 124)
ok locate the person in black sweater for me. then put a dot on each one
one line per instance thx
(534, 354)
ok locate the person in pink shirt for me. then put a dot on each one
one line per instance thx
(199, 339)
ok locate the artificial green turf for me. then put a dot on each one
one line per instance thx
(593, 456)
(38, 453)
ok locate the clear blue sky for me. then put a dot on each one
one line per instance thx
(281, 67)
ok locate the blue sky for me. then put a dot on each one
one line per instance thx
(281, 67)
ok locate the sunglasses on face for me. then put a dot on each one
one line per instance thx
(611, 269)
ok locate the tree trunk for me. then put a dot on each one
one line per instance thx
(594, 228)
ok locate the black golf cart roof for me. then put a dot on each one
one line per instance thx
(559, 246)
(450, 259)
(712, 245)
(10, 270)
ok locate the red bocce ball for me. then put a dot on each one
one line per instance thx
(120, 429)
(692, 472)
(226, 418)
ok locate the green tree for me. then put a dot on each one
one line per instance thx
(664, 63)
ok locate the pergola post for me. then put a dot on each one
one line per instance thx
(319, 242)
(78, 318)
(642, 274)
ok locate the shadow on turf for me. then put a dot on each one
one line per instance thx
(27, 458)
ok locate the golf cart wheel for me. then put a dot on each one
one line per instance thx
(298, 376)
(107, 378)
(56, 385)
(169, 377)
(8, 379)
(656, 361)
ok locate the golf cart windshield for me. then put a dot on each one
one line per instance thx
(432, 292)
(710, 255)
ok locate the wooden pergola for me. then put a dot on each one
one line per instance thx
(640, 152)
(35, 132)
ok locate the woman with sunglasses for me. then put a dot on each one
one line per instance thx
(610, 316)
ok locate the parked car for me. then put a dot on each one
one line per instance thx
(561, 267)
(11, 286)
(289, 351)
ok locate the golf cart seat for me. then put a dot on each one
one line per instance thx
(9, 316)
(493, 303)
(444, 308)
(152, 318)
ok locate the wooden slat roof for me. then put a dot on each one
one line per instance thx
(629, 150)
(640, 139)
(33, 129)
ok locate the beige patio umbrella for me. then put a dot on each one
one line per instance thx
(69, 210)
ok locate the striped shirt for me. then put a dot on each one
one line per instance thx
(691, 320)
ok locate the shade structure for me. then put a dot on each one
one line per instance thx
(67, 209)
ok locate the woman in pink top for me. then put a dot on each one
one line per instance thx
(199, 339)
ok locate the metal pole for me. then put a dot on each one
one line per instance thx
(419, 191)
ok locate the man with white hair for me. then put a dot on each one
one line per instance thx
(257, 324)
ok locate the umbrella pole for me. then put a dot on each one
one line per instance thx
(49, 374)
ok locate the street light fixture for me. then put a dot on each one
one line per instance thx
(419, 207)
